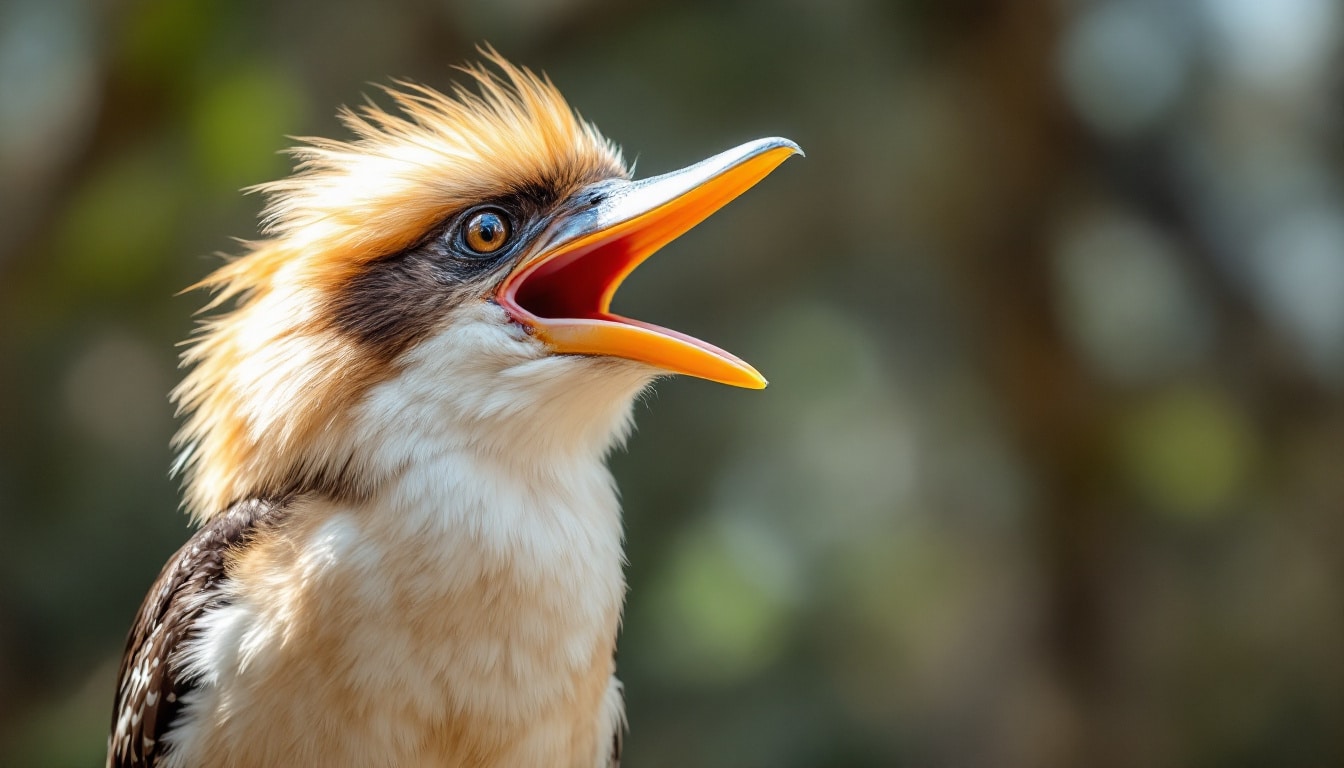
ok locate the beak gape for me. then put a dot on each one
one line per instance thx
(564, 292)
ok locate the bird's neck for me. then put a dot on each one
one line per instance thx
(517, 496)
(497, 533)
(499, 565)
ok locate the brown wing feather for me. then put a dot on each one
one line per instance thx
(150, 685)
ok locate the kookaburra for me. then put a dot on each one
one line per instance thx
(410, 548)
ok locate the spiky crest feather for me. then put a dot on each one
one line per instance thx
(270, 379)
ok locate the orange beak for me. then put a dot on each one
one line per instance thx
(564, 291)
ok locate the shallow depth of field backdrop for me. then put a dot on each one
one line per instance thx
(1051, 468)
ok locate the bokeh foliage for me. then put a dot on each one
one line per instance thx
(1053, 311)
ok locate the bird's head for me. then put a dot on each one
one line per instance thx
(448, 270)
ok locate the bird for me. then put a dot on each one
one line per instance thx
(396, 417)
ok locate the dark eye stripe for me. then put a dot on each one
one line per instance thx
(396, 300)
(399, 299)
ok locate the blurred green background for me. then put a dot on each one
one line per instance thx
(1048, 473)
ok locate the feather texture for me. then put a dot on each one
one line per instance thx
(152, 684)
(351, 203)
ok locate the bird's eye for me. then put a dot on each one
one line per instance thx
(486, 231)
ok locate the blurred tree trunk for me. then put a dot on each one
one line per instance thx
(1027, 154)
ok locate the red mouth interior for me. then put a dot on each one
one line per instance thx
(574, 285)
(578, 285)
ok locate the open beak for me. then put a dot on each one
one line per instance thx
(563, 292)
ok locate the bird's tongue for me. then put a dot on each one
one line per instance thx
(564, 293)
